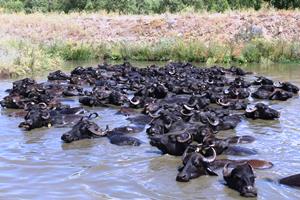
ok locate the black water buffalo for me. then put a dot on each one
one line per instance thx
(241, 178)
(260, 80)
(173, 144)
(287, 86)
(194, 165)
(261, 111)
(101, 96)
(232, 104)
(272, 93)
(39, 115)
(58, 75)
(118, 136)
(84, 129)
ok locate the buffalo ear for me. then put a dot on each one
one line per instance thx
(180, 168)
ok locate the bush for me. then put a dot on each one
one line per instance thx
(13, 6)
(36, 6)
(285, 4)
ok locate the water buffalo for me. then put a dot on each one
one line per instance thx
(262, 111)
(260, 80)
(241, 178)
(84, 129)
(173, 144)
(58, 75)
(194, 165)
(101, 96)
(118, 136)
(39, 115)
(232, 104)
(272, 93)
(287, 86)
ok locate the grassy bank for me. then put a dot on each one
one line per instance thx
(27, 57)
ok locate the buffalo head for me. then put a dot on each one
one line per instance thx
(241, 178)
(194, 165)
(84, 129)
(173, 144)
(262, 111)
(37, 117)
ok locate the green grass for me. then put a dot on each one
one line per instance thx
(27, 59)
(32, 58)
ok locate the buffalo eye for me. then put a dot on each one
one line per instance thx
(196, 162)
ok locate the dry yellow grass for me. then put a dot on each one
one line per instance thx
(99, 27)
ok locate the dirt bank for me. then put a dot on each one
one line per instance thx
(284, 25)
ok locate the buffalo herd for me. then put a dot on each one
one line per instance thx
(182, 108)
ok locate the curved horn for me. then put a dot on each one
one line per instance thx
(219, 101)
(151, 89)
(168, 126)
(226, 172)
(39, 90)
(186, 90)
(259, 79)
(212, 158)
(46, 117)
(172, 71)
(188, 107)
(239, 83)
(277, 84)
(179, 139)
(216, 122)
(154, 116)
(135, 102)
(43, 105)
(210, 82)
(93, 115)
(186, 114)
(251, 109)
(97, 131)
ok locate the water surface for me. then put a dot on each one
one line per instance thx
(37, 165)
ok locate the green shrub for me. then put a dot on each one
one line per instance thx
(218, 5)
(251, 53)
(136, 6)
(13, 6)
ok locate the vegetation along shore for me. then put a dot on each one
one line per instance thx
(44, 41)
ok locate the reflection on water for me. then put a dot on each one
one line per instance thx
(37, 165)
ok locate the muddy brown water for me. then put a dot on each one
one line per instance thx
(37, 165)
